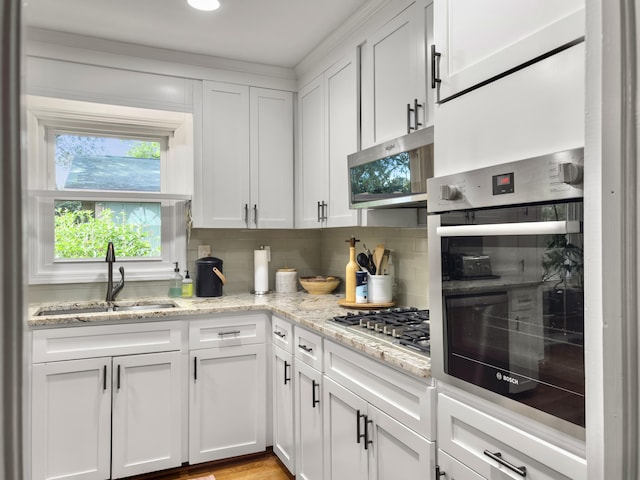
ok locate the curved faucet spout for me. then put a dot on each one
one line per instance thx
(110, 259)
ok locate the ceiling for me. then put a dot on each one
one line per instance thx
(274, 32)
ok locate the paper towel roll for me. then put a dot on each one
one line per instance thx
(261, 271)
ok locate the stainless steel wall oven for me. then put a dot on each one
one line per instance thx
(506, 286)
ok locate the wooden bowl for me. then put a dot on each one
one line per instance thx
(319, 285)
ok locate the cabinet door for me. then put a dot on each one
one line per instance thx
(283, 433)
(271, 204)
(396, 451)
(394, 72)
(221, 196)
(308, 414)
(312, 173)
(71, 420)
(476, 44)
(147, 413)
(344, 452)
(341, 87)
(227, 413)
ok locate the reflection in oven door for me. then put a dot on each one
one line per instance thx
(481, 333)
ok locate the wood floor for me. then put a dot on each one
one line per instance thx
(264, 466)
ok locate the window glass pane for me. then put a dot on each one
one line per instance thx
(84, 228)
(106, 163)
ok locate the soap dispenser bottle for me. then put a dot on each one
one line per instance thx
(350, 272)
(187, 285)
(175, 285)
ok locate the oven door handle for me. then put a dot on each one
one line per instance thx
(500, 229)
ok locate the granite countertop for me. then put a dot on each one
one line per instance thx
(311, 311)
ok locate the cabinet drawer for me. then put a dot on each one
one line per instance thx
(105, 340)
(227, 331)
(520, 299)
(308, 347)
(451, 469)
(282, 333)
(408, 399)
(489, 445)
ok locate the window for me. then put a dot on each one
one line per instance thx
(100, 173)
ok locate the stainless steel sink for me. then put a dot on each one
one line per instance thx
(151, 306)
(103, 309)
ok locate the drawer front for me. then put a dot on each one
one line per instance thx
(227, 331)
(409, 400)
(50, 345)
(523, 299)
(282, 333)
(451, 469)
(308, 347)
(491, 447)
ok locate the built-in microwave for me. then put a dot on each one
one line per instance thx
(393, 173)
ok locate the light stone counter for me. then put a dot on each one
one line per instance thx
(311, 311)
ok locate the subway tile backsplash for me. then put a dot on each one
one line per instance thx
(310, 252)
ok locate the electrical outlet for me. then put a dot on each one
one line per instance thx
(204, 251)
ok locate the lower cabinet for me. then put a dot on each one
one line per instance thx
(283, 381)
(227, 386)
(106, 417)
(451, 469)
(362, 442)
(491, 443)
(308, 414)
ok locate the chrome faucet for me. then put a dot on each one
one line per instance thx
(111, 290)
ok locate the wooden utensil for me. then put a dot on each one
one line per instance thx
(384, 262)
(378, 253)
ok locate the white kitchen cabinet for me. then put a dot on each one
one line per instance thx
(308, 422)
(328, 132)
(362, 442)
(308, 405)
(147, 413)
(227, 387)
(88, 422)
(395, 97)
(283, 412)
(71, 420)
(244, 176)
(477, 45)
(493, 445)
(365, 401)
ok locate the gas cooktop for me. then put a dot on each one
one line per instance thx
(408, 327)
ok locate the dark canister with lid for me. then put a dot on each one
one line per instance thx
(209, 277)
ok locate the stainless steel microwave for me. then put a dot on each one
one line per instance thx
(392, 174)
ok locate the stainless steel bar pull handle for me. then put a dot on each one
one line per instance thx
(118, 378)
(305, 348)
(279, 334)
(255, 215)
(195, 368)
(416, 106)
(232, 332)
(409, 110)
(561, 227)
(522, 471)
(104, 378)
(319, 206)
(246, 214)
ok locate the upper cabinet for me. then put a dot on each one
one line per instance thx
(395, 97)
(477, 42)
(244, 173)
(327, 133)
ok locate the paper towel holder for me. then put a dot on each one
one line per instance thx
(267, 291)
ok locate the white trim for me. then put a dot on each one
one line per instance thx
(175, 129)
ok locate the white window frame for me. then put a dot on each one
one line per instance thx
(48, 115)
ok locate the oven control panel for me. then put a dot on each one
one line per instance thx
(547, 178)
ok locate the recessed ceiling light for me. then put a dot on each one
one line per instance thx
(207, 5)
